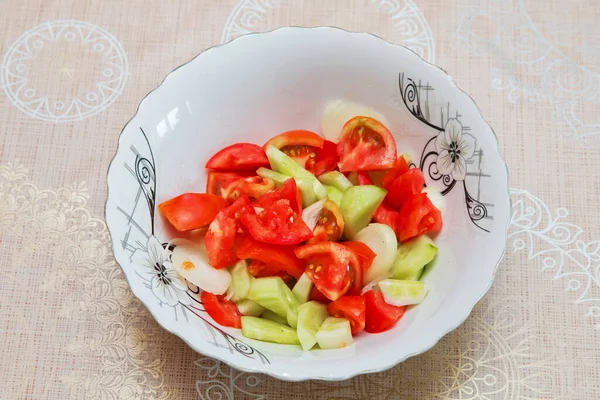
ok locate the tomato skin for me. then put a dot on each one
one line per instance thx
(192, 210)
(363, 178)
(325, 160)
(223, 311)
(238, 157)
(388, 216)
(330, 224)
(299, 144)
(352, 308)
(223, 183)
(316, 295)
(405, 186)
(330, 267)
(281, 257)
(276, 224)
(225, 234)
(363, 252)
(288, 190)
(417, 216)
(380, 316)
(400, 168)
(366, 145)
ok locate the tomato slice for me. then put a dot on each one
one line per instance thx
(192, 210)
(259, 269)
(352, 308)
(223, 311)
(232, 185)
(363, 252)
(380, 316)
(330, 224)
(366, 145)
(363, 178)
(276, 224)
(281, 257)
(388, 216)
(400, 168)
(288, 190)
(329, 267)
(238, 157)
(300, 144)
(326, 159)
(405, 186)
(316, 295)
(225, 234)
(417, 216)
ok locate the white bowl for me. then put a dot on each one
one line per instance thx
(262, 84)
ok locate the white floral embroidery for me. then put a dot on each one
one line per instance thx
(154, 265)
(454, 148)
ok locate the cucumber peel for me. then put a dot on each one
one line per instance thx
(412, 256)
(310, 318)
(268, 331)
(335, 179)
(359, 203)
(275, 176)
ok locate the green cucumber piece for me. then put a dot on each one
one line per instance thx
(275, 176)
(271, 316)
(334, 333)
(359, 203)
(412, 256)
(268, 331)
(302, 288)
(310, 187)
(335, 179)
(273, 294)
(249, 307)
(240, 281)
(334, 194)
(402, 293)
(310, 318)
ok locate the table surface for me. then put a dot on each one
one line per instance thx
(73, 73)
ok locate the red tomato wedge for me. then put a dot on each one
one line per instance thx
(330, 224)
(316, 295)
(192, 210)
(366, 145)
(405, 186)
(329, 267)
(225, 234)
(363, 252)
(276, 224)
(352, 308)
(223, 311)
(417, 216)
(231, 185)
(259, 269)
(279, 257)
(325, 160)
(288, 190)
(380, 316)
(300, 144)
(363, 178)
(238, 157)
(388, 216)
(400, 168)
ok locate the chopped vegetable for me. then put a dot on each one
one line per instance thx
(310, 318)
(223, 311)
(268, 331)
(402, 293)
(192, 210)
(359, 204)
(334, 333)
(381, 239)
(352, 308)
(412, 256)
(238, 157)
(381, 316)
(366, 145)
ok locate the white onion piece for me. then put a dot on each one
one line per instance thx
(382, 240)
(310, 215)
(436, 197)
(338, 112)
(373, 283)
(191, 262)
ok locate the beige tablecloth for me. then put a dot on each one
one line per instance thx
(73, 72)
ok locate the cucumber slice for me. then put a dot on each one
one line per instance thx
(335, 179)
(240, 282)
(334, 194)
(310, 187)
(276, 177)
(402, 293)
(334, 333)
(382, 240)
(273, 294)
(269, 331)
(310, 318)
(271, 316)
(249, 307)
(412, 256)
(359, 203)
(302, 288)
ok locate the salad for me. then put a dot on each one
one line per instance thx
(309, 239)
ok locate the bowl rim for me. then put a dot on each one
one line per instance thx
(207, 351)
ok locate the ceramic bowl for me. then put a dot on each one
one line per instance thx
(262, 84)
